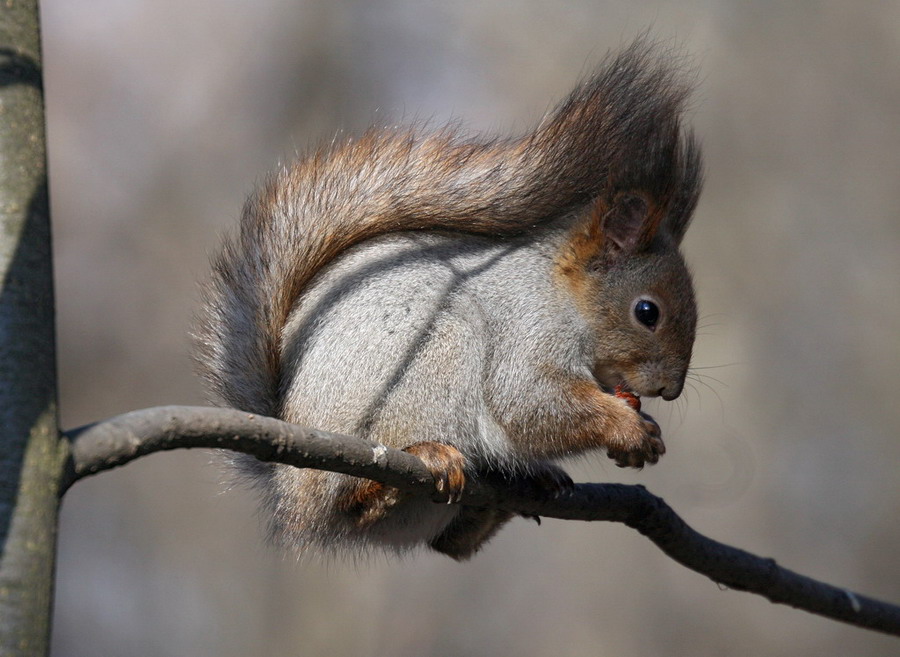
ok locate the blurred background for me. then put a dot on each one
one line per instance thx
(163, 115)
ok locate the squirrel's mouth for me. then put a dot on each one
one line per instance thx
(609, 380)
(613, 383)
(623, 392)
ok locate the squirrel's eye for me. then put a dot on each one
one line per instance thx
(647, 313)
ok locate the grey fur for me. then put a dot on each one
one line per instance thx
(365, 345)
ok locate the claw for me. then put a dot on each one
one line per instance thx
(446, 464)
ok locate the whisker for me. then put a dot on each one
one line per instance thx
(699, 379)
(681, 406)
(704, 323)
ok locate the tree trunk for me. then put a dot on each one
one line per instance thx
(32, 454)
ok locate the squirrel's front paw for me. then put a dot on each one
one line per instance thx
(640, 443)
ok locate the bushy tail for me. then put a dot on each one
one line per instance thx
(618, 130)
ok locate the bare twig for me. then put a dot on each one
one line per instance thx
(114, 442)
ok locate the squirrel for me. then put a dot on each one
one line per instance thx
(487, 304)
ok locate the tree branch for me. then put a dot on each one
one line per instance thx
(119, 440)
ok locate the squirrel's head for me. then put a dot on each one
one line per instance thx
(624, 268)
(645, 315)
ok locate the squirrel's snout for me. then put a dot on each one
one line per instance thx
(672, 388)
(657, 381)
(665, 387)
(671, 392)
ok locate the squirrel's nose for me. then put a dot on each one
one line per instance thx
(672, 390)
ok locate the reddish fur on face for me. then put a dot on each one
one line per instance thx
(610, 230)
(584, 245)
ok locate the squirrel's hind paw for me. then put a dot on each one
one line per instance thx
(447, 465)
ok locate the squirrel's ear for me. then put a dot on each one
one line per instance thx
(629, 223)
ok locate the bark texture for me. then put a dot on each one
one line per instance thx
(31, 453)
